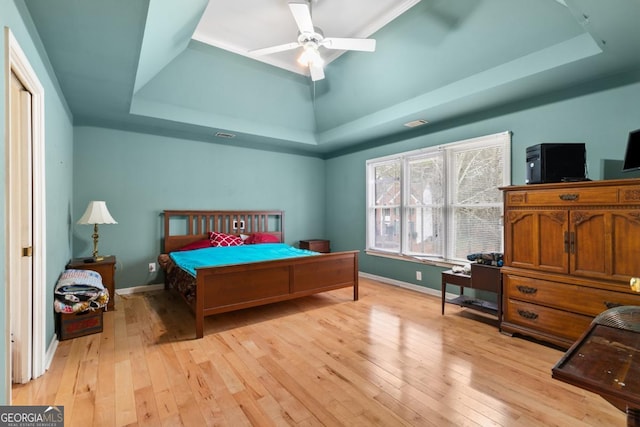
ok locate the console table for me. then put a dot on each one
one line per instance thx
(482, 277)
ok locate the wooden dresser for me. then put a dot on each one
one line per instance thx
(570, 251)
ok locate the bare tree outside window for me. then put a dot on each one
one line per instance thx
(386, 206)
(425, 203)
(477, 202)
(441, 202)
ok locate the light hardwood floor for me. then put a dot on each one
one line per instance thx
(388, 359)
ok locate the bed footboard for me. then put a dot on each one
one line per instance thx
(234, 287)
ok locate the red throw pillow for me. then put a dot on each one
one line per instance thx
(262, 238)
(198, 244)
(221, 239)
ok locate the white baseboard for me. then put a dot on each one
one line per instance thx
(387, 280)
(406, 285)
(138, 289)
(51, 351)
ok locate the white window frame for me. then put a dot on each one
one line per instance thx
(502, 139)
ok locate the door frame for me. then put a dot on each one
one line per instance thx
(16, 61)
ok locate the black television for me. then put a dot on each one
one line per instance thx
(632, 155)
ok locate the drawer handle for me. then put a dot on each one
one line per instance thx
(610, 304)
(569, 197)
(526, 289)
(528, 314)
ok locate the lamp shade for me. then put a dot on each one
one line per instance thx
(97, 213)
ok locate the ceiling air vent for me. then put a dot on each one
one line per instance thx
(225, 135)
(416, 123)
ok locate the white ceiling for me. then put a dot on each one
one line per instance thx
(240, 26)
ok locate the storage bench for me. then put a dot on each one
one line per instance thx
(73, 325)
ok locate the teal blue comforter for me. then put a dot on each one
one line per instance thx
(227, 255)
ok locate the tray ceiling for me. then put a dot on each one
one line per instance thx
(181, 69)
(244, 25)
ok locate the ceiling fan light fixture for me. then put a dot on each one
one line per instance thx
(310, 56)
(310, 38)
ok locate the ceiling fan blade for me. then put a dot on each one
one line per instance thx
(302, 14)
(274, 49)
(316, 72)
(366, 45)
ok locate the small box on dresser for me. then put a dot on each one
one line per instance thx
(316, 245)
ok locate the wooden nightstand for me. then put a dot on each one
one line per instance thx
(316, 245)
(106, 268)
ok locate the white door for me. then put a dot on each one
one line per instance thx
(25, 207)
(21, 223)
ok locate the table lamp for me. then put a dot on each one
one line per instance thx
(96, 213)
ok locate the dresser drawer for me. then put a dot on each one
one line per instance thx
(548, 320)
(579, 299)
(565, 197)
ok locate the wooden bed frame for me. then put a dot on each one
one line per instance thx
(234, 287)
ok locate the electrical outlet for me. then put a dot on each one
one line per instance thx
(152, 267)
(418, 275)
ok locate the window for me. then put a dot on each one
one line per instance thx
(439, 203)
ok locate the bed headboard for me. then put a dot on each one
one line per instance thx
(182, 227)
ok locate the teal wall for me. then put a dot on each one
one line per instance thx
(416, 49)
(602, 119)
(265, 101)
(58, 166)
(140, 175)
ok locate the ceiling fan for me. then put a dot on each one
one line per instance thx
(311, 38)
